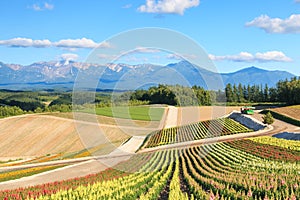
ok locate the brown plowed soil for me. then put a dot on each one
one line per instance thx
(290, 111)
(37, 135)
(187, 115)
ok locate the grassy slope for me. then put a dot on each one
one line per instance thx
(144, 113)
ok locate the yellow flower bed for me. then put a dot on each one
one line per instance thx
(289, 144)
(4, 176)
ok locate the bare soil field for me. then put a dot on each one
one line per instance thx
(290, 111)
(37, 135)
(187, 115)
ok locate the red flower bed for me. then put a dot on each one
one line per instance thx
(266, 150)
(51, 188)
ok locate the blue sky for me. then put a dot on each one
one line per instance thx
(235, 33)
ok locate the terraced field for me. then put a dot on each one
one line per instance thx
(216, 171)
(200, 130)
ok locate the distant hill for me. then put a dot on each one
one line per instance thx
(254, 75)
(63, 74)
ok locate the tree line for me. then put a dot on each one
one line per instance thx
(173, 95)
(16, 103)
(287, 91)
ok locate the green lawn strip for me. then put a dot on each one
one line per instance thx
(144, 113)
(19, 173)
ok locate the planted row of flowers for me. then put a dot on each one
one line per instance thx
(288, 144)
(238, 175)
(52, 188)
(214, 171)
(266, 150)
(205, 129)
(19, 173)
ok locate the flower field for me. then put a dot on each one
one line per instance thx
(266, 150)
(214, 171)
(289, 144)
(196, 131)
(19, 173)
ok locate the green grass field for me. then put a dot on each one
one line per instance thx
(145, 113)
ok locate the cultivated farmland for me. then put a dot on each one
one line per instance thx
(261, 168)
(38, 135)
(197, 131)
(290, 111)
(216, 171)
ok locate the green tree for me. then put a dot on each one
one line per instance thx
(235, 93)
(268, 118)
(240, 94)
(229, 93)
(38, 110)
(266, 93)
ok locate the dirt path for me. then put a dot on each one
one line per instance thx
(278, 123)
(172, 117)
(83, 166)
(130, 146)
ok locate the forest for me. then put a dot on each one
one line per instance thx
(287, 91)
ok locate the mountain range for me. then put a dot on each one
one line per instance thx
(67, 74)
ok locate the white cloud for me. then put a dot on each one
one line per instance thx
(132, 58)
(69, 56)
(168, 6)
(273, 56)
(48, 6)
(25, 42)
(36, 7)
(127, 6)
(107, 56)
(76, 43)
(297, 1)
(45, 6)
(270, 56)
(174, 57)
(181, 57)
(277, 25)
(146, 50)
(65, 43)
